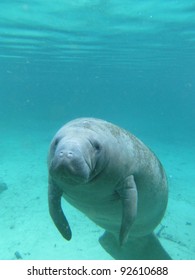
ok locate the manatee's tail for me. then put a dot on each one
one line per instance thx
(142, 248)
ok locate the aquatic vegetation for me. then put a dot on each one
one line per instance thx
(3, 186)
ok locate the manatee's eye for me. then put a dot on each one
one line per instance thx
(55, 143)
(97, 146)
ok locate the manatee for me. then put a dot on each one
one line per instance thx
(114, 179)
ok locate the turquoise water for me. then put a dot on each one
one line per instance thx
(128, 62)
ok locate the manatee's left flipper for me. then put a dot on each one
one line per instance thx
(127, 191)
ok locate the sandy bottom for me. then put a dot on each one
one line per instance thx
(26, 228)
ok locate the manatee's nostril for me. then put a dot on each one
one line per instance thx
(61, 154)
(66, 154)
(69, 154)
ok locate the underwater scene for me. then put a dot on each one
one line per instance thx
(94, 191)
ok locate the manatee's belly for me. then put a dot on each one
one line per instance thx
(105, 211)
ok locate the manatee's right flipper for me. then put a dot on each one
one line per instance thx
(142, 248)
(55, 209)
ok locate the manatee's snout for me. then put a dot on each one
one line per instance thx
(70, 162)
(67, 157)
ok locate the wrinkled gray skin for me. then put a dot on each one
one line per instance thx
(109, 175)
